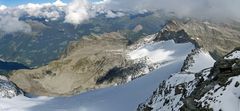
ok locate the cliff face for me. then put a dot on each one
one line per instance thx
(216, 38)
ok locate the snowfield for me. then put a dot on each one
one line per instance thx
(119, 98)
(158, 52)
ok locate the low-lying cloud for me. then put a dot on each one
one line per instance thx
(10, 16)
(77, 11)
(10, 24)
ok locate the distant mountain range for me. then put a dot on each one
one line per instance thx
(49, 38)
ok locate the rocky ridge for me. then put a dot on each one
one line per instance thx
(83, 63)
(217, 38)
(93, 62)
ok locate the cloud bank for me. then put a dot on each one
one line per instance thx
(10, 24)
(78, 11)
(215, 9)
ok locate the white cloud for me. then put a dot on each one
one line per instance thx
(77, 12)
(59, 3)
(102, 2)
(111, 14)
(48, 10)
(217, 9)
(3, 7)
(10, 24)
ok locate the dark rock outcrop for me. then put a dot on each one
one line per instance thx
(8, 89)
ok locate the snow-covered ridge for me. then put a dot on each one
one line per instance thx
(197, 61)
(172, 92)
(215, 88)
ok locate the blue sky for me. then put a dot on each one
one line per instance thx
(18, 2)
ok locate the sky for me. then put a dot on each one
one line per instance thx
(19, 2)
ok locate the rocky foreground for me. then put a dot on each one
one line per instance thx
(215, 88)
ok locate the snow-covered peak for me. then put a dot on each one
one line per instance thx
(7, 88)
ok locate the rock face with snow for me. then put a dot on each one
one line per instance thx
(197, 60)
(235, 54)
(214, 88)
(8, 89)
(216, 38)
(171, 93)
(147, 55)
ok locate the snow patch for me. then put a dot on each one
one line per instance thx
(234, 55)
(158, 52)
